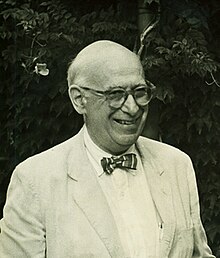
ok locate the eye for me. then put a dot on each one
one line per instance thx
(115, 94)
(141, 91)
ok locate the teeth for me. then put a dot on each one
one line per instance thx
(125, 122)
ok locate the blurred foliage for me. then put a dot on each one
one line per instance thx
(39, 38)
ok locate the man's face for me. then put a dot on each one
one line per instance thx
(115, 130)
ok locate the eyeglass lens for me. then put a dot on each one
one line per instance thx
(141, 95)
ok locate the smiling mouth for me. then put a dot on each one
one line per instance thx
(126, 122)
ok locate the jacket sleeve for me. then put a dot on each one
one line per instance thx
(22, 232)
(201, 248)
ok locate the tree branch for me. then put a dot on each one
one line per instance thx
(214, 81)
(143, 35)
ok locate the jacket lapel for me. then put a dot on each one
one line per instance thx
(160, 189)
(88, 195)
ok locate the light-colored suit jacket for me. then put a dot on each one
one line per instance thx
(55, 207)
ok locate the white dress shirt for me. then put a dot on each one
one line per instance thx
(130, 202)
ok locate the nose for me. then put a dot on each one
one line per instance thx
(130, 106)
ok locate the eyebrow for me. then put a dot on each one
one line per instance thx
(132, 87)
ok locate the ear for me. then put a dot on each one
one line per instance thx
(77, 98)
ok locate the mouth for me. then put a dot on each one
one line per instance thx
(126, 122)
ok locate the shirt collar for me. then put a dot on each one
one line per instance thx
(97, 153)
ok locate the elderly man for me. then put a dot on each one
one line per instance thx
(106, 192)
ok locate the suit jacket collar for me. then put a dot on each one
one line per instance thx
(89, 197)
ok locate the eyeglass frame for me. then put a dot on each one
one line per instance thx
(149, 85)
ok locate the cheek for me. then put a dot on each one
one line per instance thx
(97, 115)
(145, 114)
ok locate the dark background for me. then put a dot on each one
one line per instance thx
(180, 56)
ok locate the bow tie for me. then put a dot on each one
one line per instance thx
(124, 161)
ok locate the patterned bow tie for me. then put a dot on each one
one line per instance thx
(124, 161)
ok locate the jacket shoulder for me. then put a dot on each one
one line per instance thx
(162, 151)
(51, 161)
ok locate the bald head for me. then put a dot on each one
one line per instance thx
(102, 67)
(100, 59)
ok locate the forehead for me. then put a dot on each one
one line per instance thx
(123, 71)
(110, 67)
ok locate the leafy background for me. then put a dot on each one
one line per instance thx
(180, 56)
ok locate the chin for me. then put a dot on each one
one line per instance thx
(128, 140)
